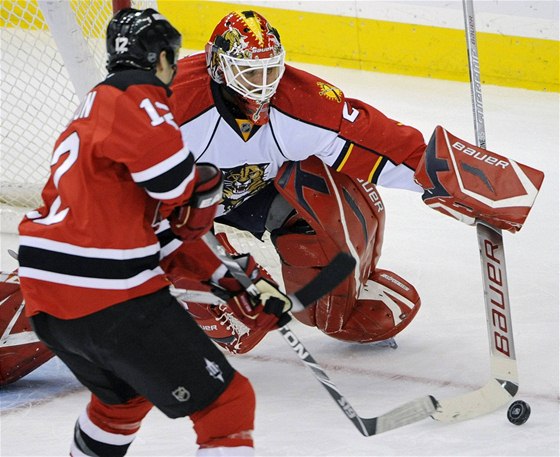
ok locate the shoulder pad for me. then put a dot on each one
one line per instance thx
(309, 98)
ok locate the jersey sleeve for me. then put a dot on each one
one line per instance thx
(376, 148)
(155, 155)
(347, 134)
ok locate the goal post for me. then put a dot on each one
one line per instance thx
(52, 53)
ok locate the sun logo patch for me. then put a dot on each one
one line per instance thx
(330, 92)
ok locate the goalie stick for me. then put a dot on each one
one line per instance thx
(503, 383)
(329, 277)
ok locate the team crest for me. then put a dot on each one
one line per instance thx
(330, 92)
(242, 182)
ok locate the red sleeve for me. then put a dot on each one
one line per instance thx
(191, 89)
(373, 139)
(146, 140)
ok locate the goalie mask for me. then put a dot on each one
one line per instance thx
(245, 54)
(135, 39)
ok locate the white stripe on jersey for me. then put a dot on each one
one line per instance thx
(97, 253)
(173, 193)
(398, 177)
(91, 283)
(169, 248)
(161, 167)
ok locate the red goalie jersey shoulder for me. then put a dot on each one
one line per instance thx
(313, 100)
(191, 88)
(309, 99)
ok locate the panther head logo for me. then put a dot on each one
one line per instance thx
(242, 182)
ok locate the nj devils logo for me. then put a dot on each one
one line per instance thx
(20, 350)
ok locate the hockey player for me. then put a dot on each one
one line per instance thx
(301, 161)
(89, 258)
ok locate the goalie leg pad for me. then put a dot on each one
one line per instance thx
(21, 352)
(386, 305)
(334, 213)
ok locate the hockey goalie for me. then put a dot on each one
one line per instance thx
(302, 161)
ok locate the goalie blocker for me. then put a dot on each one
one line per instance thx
(472, 184)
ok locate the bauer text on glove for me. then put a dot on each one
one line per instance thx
(474, 185)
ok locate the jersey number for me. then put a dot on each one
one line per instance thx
(69, 148)
(349, 115)
(155, 118)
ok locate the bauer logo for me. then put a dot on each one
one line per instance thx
(497, 295)
(479, 155)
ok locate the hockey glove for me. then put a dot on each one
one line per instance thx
(473, 184)
(268, 310)
(189, 222)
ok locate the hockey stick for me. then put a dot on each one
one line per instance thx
(326, 280)
(408, 413)
(503, 383)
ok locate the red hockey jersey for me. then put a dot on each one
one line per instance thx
(308, 116)
(119, 167)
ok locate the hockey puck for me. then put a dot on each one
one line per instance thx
(518, 412)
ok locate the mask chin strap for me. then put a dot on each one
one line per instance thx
(255, 111)
(260, 112)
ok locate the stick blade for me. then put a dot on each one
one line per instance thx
(328, 278)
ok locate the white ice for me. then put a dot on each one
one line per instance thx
(444, 352)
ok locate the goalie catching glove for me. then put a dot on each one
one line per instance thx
(472, 184)
(189, 222)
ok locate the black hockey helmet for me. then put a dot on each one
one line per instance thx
(135, 39)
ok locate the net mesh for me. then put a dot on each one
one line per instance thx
(37, 95)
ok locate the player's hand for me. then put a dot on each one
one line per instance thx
(268, 310)
(189, 222)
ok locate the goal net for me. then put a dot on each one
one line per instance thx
(52, 53)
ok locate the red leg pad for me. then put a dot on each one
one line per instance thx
(386, 305)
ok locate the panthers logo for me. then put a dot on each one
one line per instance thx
(330, 92)
(242, 182)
